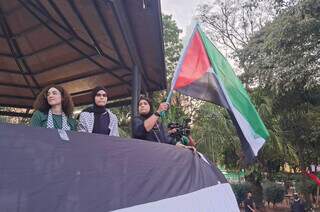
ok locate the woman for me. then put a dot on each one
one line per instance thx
(146, 125)
(53, 109)
(98, 119)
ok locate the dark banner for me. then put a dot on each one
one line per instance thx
(41, 172)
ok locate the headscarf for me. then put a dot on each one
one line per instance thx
(150, 104)
(101, 116)
(97, 109)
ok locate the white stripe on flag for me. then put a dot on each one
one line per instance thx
(217, 198)
(255, 141)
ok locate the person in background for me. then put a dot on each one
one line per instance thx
(53, 109)
(297, 204)
(97, 118)
(249, 205)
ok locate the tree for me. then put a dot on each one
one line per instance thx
(283, 59)
(232, 23)
(172, 44)
(273, 192)
(277, 54)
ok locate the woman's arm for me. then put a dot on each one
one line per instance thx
(152, 120)
(36, 120)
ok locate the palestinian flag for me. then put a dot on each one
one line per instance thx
(204, 73)
(81, 172)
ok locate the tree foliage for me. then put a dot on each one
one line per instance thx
(283, 60)
(241, 190)
(273, 192)
(172, 43)
(284, 55)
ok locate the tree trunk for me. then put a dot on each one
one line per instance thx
(305, 193)
(317, 198)
(258, 194)
(257, 190)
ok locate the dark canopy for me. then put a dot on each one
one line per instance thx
(79, 44)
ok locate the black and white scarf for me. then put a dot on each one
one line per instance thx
(50, 124)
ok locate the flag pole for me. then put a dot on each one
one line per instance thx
(169, 96)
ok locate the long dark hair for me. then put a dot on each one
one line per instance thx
(150, 104)
(42, 104)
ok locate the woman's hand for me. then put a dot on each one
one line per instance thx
(150, 122)
(172, 131)
(193, 149)
(191, 141)
(163, 107)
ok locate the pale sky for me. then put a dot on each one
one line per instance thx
(181, 10)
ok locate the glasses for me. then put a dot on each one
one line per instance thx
(101, 95)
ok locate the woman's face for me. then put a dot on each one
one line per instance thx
(101, 98)
(144, 107)
(54, 97)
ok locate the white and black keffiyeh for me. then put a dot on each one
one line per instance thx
(50, 124)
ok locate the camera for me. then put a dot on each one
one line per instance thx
(182, 131)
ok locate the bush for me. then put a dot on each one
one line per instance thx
(240, 191)
(273, 192)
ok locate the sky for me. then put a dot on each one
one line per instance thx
(181, 10)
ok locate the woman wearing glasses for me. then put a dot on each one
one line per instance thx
(98, 119)
(53, 109)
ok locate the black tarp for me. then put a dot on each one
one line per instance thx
(41, 172)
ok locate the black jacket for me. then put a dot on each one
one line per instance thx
(157, 134)
(297, 206)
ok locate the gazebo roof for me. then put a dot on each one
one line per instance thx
(79, 44)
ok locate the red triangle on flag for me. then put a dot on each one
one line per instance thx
(195, 63)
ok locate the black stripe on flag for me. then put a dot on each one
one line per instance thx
(206, 88)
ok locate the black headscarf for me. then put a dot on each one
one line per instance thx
(150, 104)
(101, 116)
(96, 108)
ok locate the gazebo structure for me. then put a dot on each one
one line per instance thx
(79, 44)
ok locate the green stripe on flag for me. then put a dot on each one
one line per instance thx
(235, 90)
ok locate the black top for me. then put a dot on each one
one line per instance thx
(101, 123)
(101, 119)
(248, 202)
(297, 206)
(157, 134)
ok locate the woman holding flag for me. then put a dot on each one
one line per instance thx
(147, 125)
